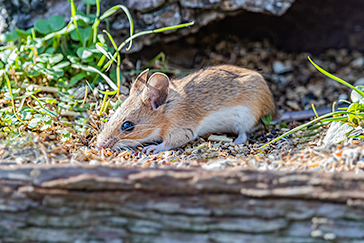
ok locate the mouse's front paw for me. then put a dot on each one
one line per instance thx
(154, 149)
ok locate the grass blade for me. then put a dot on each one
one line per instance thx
(336, 78)
(126, 11)
(308, 124)
(145, 33)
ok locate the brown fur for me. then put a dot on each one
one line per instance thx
(189, 101)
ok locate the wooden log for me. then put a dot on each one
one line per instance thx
(105, 204)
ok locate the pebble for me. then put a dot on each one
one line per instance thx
(217, 165)
(124, 90)
(342, 97)
(279, 67)
(299, 153)
(358, 82)
(358, 62)
(94, 162)
(219, 138)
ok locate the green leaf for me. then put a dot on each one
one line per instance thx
(32, 73)
(27, 115)
(91, 2)
(48, 100)
(38, 66)
(4, 55)
(84, 33)
(355, 108)
(56, 58)
(48, 112)
(84, 53)
(51, 73)
(24, 33)
(73, 59)
(337, 132)
(43, 58)
(56, 22)
(50, 50)
(266, 119)
(42, 117)
(10, 36)
(83, 19)
(64, 106)
(77, 78)
(34, 122)
(7, 95)
(61, 65)
(12, 57)
(42, 26)
(355, 96)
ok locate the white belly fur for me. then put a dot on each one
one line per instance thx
(236, 119)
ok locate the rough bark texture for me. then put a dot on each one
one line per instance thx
(103, 204)
(147, 14)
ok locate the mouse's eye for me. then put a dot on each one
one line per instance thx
(127, 126)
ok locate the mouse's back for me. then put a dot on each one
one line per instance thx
(219, 87)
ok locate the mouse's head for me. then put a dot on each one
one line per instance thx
(139, 119)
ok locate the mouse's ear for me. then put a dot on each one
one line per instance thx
(140, 82)
(158, 85)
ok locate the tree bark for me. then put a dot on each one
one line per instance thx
(105, 204)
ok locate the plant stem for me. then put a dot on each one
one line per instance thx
(12, 100)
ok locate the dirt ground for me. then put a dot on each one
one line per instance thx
(295, 85)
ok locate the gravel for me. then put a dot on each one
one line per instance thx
(295, 84)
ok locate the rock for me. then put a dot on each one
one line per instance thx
(343, 97)
(147, 15)
(124, 90)
(94, 162)
(279, 67)
(293, 105)
(217, 165)
(145, 5)
(358, 62)
(218, 138)
(358, 82)
(78, 92)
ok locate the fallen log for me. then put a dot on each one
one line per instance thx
(106, 204)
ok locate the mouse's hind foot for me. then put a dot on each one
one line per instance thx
(241, 138)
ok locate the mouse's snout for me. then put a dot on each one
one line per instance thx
(106, 143)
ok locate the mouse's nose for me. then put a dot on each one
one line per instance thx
(108, 143)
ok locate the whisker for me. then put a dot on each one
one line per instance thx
(92, 128)
(95, 124)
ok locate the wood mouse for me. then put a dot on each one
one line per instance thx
(224, 98)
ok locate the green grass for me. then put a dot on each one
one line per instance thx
(342, 122)
(63, 55)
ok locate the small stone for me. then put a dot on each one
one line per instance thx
(124, 90)
(219, 138)
(19, 160)
(293, 105)
(343, 97)
(329, 236)
(360, 81)
(94, 162)
(358, 62)
(279, 67)
(217, 165)
(316, 233)
(358, 171)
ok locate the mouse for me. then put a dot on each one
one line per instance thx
(166, 114)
